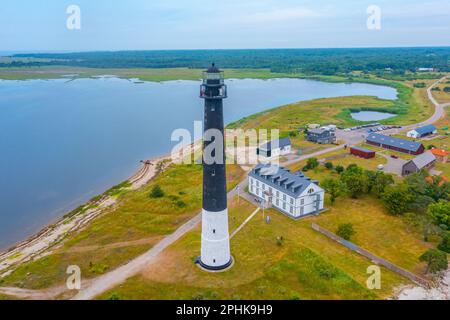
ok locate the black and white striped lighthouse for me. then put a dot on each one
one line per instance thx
(215, 250)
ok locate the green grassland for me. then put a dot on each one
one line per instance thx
(306, 265)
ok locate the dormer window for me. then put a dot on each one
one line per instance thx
(311, 191)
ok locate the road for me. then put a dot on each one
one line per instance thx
(99, 285)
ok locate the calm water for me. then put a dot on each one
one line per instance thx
(371, 115)
(63, 142)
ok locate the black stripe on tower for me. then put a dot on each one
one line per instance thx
(214, 175)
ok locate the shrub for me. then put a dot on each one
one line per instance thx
(436, 260)
(445, 243)
(180, 204)
(339, 169)
(157, 192)
(114, 296)
(329, 165)
(312, 163)
(440, 212)
(345, 231)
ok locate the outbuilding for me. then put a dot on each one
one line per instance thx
(363, 153)
(424, 161)
(422, 132)
(396, 144)
(275, 148)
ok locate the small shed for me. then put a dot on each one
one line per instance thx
(363, 153)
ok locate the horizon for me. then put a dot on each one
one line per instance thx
(14, 52)
(234, 25)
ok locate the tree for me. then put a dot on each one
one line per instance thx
(345, 231)
(381, 181)
(440, 212)
(339, 169)
(436, 260)
(397, 199)
(312, 163)
(334, 188)
(445, 243)
(329, 165)
(355, 181)
(156, 192)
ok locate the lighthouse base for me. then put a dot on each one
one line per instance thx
(205, 267)
(215, 250)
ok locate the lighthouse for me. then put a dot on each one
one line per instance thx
(215, 245)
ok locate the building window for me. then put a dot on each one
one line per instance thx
(257, 183)
(284, 197)
(284, 205)
(292, 200)
(291, 210)
(264, 187)
(278, 194)
(311, 191)
(278, 203)
(302, 202)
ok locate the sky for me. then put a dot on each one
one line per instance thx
(36, 26)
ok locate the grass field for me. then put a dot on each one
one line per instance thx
(306, 265)
(132, 227)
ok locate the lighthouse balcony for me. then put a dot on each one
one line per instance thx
(217, 92)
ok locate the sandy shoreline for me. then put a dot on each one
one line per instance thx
(42, 243)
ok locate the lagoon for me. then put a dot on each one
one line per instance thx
(64, 141)
(371, 115)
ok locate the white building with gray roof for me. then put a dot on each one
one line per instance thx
(292, 193)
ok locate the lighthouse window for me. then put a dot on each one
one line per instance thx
(214, 231)
(213, 108)
(214, 261)
(213, 173)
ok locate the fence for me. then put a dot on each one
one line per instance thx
(411, 276)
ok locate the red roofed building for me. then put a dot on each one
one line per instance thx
(441, 155)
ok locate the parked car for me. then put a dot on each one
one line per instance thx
(394, 156)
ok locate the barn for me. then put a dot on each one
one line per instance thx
(396, 144)
(363, 153)
(422, 132)
(424, 161)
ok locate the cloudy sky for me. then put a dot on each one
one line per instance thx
(30, 25)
